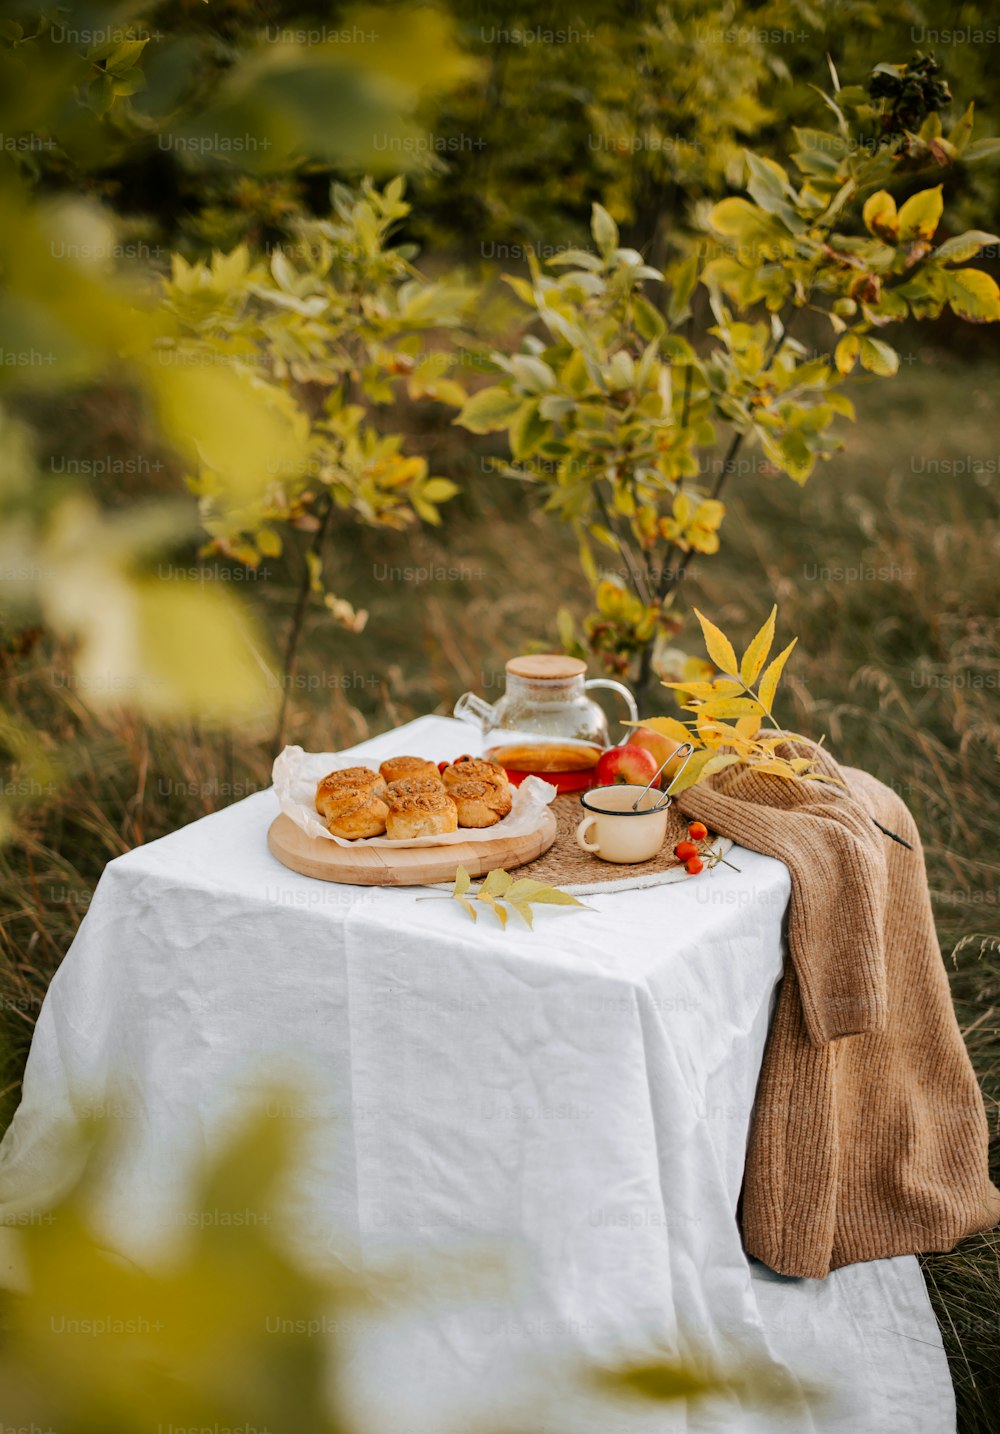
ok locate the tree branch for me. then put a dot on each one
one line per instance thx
(638, 582)
(290, 660)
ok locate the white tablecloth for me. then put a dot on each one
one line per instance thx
(577, 1096)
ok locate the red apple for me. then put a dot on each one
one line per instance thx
(661, 747)
(630, 763)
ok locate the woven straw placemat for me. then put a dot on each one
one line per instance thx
(566, 865)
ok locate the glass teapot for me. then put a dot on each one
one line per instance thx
(545, 724)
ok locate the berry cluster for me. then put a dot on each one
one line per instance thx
(687, 852)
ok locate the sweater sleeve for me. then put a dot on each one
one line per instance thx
(836, 919)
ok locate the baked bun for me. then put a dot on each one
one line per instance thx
(359, 778)
(479, 803)
(393, 768)
(473, 767)
(426, 814)
(352, 812)
(413, 786)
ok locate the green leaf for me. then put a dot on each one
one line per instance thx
(439, 490)
(964, 247)
(604, 230)
(527, 430)
(981, 149)
(973, 296)
(770, 189)
(521, 288)
(566, 628)
(677, 350)
(756, 653)
(533, 374)
(489, 410)
(685, 279)
(648, 319)
(961, 131)
(877, 356)
(921, 214)
(720, 649)
(741, 220)
(581, 258)
(124, 57)
(314, 563)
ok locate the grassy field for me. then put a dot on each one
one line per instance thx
(885, 566)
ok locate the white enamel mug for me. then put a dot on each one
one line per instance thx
(620, 834)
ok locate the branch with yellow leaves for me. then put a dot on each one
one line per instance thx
(729, 712)
(520, 894)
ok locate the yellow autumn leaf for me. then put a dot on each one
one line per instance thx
(728, 732)
(756, 653)
(720, 734)
(732, 707)
(769, 682)
(747, 727)
(775, 767)
(880, 215)
(718, 763)
(709, 734)
(920, 215)
(846, 353)
(692, 772)
(701, 690)
(720, 649)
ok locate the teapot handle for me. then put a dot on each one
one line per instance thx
(622, 691)
(472, 709)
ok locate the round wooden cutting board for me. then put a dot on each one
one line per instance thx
(402, 866)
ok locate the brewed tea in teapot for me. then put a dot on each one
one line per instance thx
(545, 725)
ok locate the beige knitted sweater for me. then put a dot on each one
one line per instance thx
(869, 1135)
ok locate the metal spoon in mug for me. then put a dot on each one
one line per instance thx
(656, 776)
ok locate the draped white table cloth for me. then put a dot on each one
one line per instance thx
(578, 1096)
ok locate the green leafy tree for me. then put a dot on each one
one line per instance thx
(328, 330)
(630, 423)
(90, 105)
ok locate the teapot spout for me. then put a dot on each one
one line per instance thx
(474, 710)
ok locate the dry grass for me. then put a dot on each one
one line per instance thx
(900, 667)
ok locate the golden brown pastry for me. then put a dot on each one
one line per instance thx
(394, 768)
(473, 767)
(352, 812)
(359, 777)
(426, 814)
(479, 803)
(413, 786)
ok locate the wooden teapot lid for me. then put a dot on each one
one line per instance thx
(546, 666)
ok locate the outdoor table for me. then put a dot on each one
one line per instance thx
(578, 1096)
